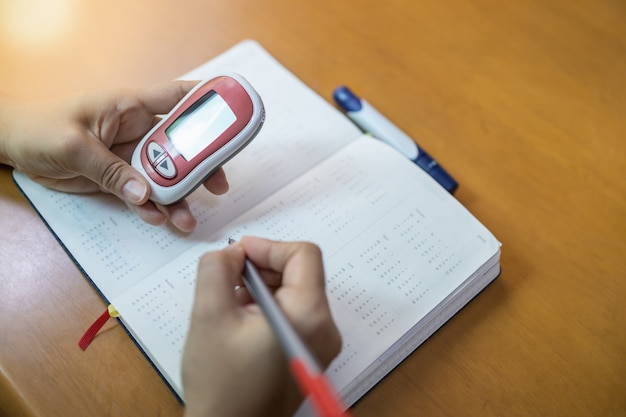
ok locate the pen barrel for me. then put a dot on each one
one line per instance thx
(293, 346)
(428, 164)
(373, 122)
(381, 128)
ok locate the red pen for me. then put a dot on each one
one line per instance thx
(304, 367)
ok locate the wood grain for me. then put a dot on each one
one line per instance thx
(523, 102)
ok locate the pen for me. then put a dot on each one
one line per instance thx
(373, 122)
(304, 367)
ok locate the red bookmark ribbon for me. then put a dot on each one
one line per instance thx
(93, 330)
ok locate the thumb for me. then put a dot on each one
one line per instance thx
(218, 273)
(112, 174)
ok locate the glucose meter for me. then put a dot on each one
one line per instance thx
(210, 125)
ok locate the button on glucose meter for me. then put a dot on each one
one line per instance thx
(160, 160)
(154, 152)
(210, 125)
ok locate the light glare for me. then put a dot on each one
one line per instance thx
(31, 23)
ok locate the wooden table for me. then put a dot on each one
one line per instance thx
(523, 101)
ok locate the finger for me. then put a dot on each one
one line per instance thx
(149, 213)
(95, 161)
(299, 262)
(160, 98)
(217, 182)
(217, 273)
(125, 115)
(302, 293)
(124, 150)
(179, 215)
(272, 280)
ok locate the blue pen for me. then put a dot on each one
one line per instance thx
(371, 121)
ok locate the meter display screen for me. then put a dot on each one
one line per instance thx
(199, 125)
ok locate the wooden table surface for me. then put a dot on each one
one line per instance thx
(523, 101)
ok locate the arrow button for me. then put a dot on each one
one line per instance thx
(154, 151)
(166, 168)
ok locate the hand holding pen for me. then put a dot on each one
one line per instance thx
(233, 364)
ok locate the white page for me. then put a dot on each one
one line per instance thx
(395, 244)
(116, 249)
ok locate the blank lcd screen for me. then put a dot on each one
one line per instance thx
(199, 125)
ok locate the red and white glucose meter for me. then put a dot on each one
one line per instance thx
(210, 125)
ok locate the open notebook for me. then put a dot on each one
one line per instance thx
(402, 255)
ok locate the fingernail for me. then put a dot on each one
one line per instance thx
(134, 191)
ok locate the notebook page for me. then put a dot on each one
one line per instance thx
(395, 244)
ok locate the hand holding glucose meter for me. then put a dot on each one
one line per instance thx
(210, 125)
